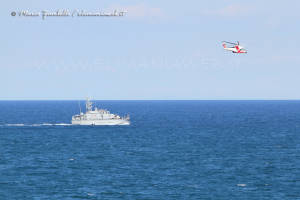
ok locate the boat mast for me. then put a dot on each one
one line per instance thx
(79, 106)
(88, 105)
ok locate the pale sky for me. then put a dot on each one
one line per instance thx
(158, 50)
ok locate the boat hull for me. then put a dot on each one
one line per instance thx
(101, 122)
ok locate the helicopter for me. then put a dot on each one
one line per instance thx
(237, 48)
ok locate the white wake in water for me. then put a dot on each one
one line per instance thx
(43, 124)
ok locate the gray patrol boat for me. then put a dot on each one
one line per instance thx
(98, 117)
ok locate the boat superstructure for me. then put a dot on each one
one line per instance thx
(98, 117)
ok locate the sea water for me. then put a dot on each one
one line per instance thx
(171, 150)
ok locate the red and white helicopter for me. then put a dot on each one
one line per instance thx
(237, 48)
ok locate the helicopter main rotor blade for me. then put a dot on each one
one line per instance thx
(230, 42)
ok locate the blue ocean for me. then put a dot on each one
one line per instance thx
(171, 150)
